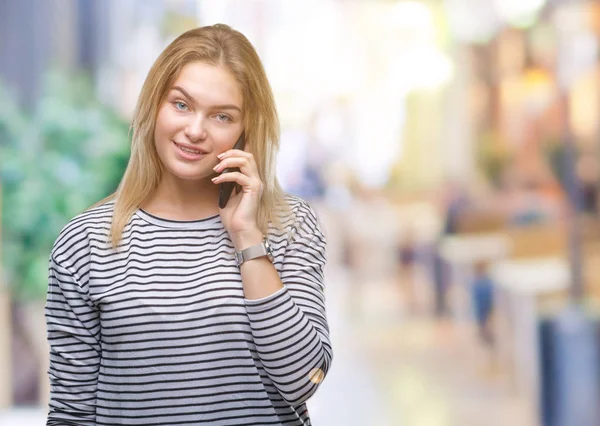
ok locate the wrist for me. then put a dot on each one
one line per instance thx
(244, 239)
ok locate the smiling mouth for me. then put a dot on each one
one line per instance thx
(190, 150)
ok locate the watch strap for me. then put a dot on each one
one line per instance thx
(252, 252)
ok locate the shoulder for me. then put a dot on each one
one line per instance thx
(299, 217)
(75, 235)
(295, 210)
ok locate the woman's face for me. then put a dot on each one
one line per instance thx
(200, 118)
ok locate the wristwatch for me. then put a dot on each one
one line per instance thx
(252, 252)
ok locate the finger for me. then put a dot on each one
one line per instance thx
(240, 178)
(246, 183)
(242, 163)
(235, 153)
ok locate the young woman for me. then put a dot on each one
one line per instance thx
(165, 309)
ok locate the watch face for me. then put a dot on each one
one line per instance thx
(238, 258)
(269, 250)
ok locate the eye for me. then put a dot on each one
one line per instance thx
(224, 118)
(181, 106)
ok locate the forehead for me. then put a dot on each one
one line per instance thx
(209, 84)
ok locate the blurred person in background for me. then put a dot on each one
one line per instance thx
(407, 263)
(482, 301)
(151, 318)
(482, 296)
(455, 203)
(588, 175)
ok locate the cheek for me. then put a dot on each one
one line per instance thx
(166, 124)
(222, 143)
(225, 138)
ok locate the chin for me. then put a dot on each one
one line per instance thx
(189, 175)
(192, 177)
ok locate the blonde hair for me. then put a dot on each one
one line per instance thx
(217, 45)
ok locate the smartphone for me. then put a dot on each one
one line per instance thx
(226, 188)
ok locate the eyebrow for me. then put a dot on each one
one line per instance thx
(191, 99)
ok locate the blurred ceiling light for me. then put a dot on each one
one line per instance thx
(319, 61)
(520, 13)
(423, 67)
(377, 137)
(411, 14)
(471, 21)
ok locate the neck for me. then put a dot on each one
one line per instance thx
(178, 199)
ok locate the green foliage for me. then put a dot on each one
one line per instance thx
(55, 162)
(492, 157)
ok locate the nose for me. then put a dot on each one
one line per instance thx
(195, 129)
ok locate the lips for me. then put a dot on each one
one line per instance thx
(192, 150)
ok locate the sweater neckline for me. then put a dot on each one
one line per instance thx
(204, 223)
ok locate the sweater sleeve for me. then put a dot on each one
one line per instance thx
(73, 327)
(290, 327)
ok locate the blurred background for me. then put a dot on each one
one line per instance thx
(450, 147)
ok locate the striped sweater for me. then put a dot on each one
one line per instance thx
(158, 332)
